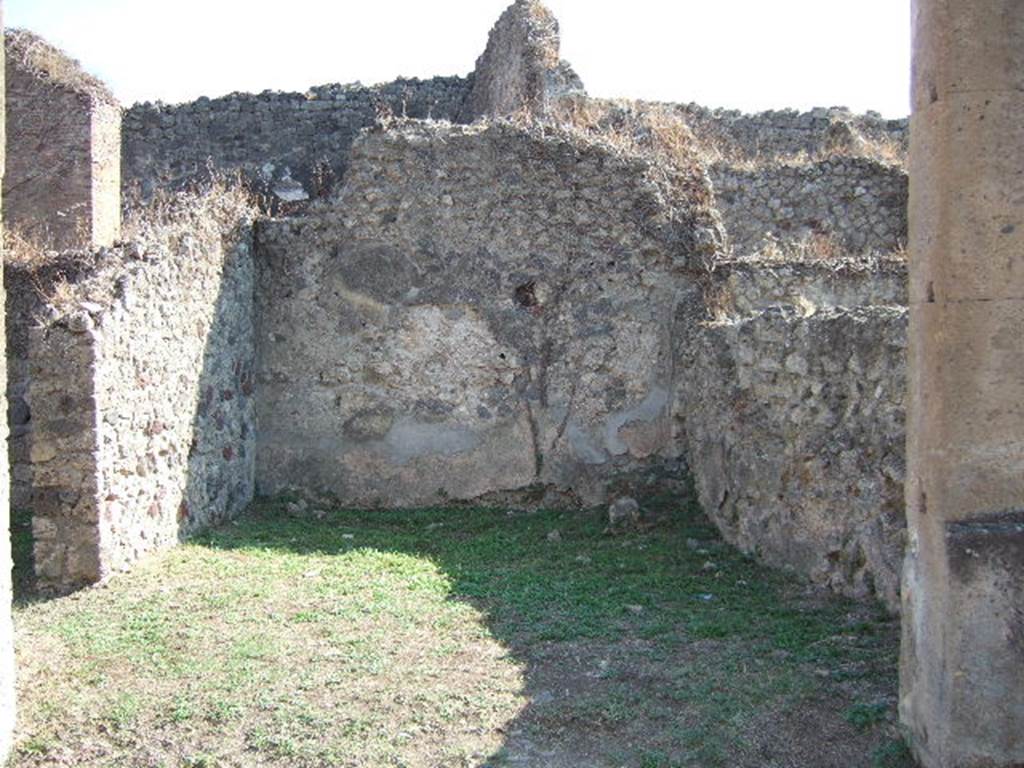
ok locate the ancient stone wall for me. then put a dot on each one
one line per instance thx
(63, 131)
(63, 453)
(482, 309)
(139, 415)
(849, 205)
(174, 391)
(521, 70)
(292, 146)
(26, 286)
(792, 411)
(474, 311)
(7, 697)
(735, 136)
(748, 286)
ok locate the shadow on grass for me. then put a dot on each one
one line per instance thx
(23, 575)
(659, 648)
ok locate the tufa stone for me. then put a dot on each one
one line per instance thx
(623, 514)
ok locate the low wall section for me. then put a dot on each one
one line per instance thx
(838, 205)
(788, 133)
(793, 413)
(138, 400)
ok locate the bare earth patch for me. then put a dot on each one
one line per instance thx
(455, 638)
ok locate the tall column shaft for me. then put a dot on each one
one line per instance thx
(962, 667)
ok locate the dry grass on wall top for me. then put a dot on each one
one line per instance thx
(216, 205)
(819, 248)
(716, 150)
(24, 250)
(651, 131)
(166, 222)
(35, 55)
(662, 130)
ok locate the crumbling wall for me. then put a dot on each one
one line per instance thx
(839, 200)
(174, 390)
(795, 452)
(7, 696)
(27, 280)
(793, 412)
(792, 406)
(292, 146)
(852, 205)
(63, 132)
(735, 136)
(748, 286)
(521, 70)
(139, 392)
(482, 309)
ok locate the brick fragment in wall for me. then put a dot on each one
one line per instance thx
(63, 179)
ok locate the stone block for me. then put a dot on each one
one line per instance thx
(955, 43)
(968, 385)
(969, 235)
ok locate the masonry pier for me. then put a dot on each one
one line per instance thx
(962, 672)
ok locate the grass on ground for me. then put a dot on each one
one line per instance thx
(454, 637)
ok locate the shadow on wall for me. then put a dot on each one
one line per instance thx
(133, 403)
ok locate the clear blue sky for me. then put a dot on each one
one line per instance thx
(748, 54)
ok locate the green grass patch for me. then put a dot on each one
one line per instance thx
(447, 637)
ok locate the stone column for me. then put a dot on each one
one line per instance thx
(962, 667)
(6, 625)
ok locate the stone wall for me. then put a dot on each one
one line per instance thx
(292, 146)
(140, 416)
(63, 132)
(468, 312)
(482, 309)
(7, 697)
(792, 410)
(494, 308)
(26, 284)
(748, 286)
(852, 205)
(63, 451)
(521, 70)
(789, 134)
